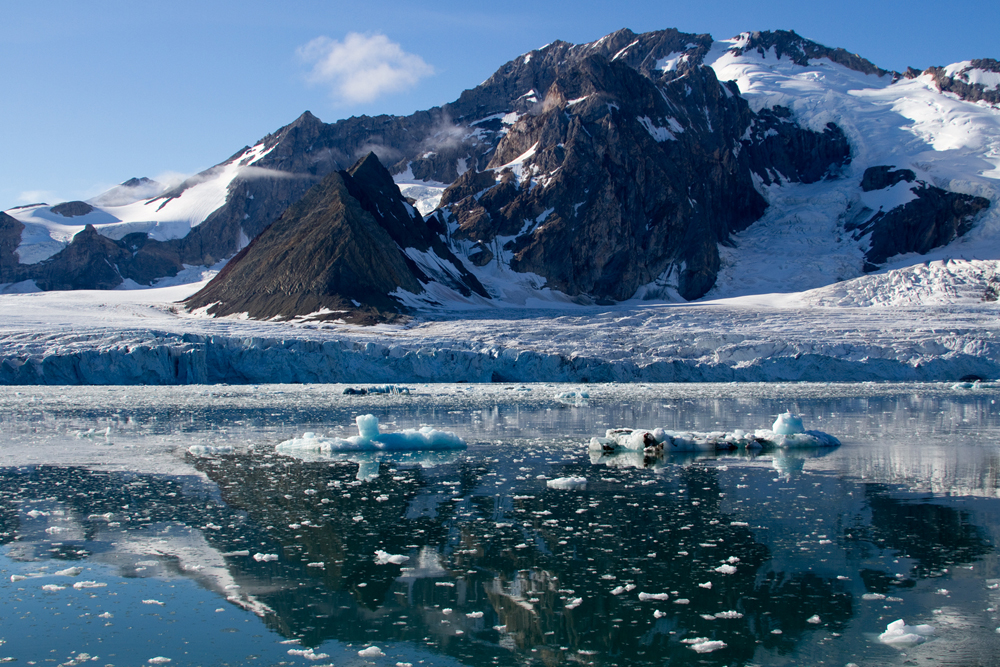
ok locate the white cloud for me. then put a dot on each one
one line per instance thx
(362, 67)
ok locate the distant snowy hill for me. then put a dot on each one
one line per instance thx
(661, 166)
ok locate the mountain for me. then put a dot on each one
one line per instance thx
(342, 244)
(663, 165)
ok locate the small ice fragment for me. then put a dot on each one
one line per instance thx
(106, 614)
(316, 564)
(708, 646)
(653, 596)
(17, 577)
(80, 585)
(157, 602)
(573, 603)
(264, 558)
(158, 660)
(617, 590)
(371, 651)
(898, 633)
(53, 587)
(682, 601)
(475, 614)
(728, 614)
(787, 424)
(567, 483)
(814, 619)
(707, 585)
(658, 614)
(726, 569)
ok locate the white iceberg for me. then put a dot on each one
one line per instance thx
(898, 633)
(567, 483)
(370, 439)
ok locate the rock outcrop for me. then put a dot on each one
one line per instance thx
(963, 81)
(931, 219)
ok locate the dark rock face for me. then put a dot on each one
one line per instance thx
(934, 218)
(71, 209)
(10, 239)
(341, 245)
(781, 150)
(624, 180)
(960, 84)
(801, 50)
(881, 177)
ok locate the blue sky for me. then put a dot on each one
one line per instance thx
(98, 92)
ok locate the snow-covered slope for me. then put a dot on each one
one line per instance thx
(800, 243)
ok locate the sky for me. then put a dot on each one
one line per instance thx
(102, 91)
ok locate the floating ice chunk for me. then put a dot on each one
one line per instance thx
(80, 585)
(371, 652)
(264, 558)
(158, 660)
(384, 558)
(787, 424)
(898, 633)
(209, 450)
(726, 569)
(53, 587)
(814, 619)
(706, 585)
(653, 596)
(308, 653)
(474, 614)
(728, 614)
(567, 483)
(370, 439)
(17, 577)
(707, 646)
(573, 603)
(69, 572)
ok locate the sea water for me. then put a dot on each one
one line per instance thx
(146, 525)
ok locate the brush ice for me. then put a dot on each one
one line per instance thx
(370, 439)
(898, 633)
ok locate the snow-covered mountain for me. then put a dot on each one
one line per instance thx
(657, 166)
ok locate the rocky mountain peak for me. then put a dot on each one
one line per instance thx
(72, 209)
(800, 50)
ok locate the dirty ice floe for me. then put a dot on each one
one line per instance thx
(369, 439)
(898, 633)
(787, 432)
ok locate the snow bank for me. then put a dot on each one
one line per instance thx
(786, 433)
(370, 439)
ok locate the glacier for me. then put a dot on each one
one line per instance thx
(927, 323)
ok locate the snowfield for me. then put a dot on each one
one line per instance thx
(921, 323)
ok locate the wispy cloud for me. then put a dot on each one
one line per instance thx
(362, 67)
(36, 197)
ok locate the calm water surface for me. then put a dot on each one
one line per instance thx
(120, 547)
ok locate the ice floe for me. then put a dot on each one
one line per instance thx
(567, 483)
(787, 432)
(898, 633)
(370, 439)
